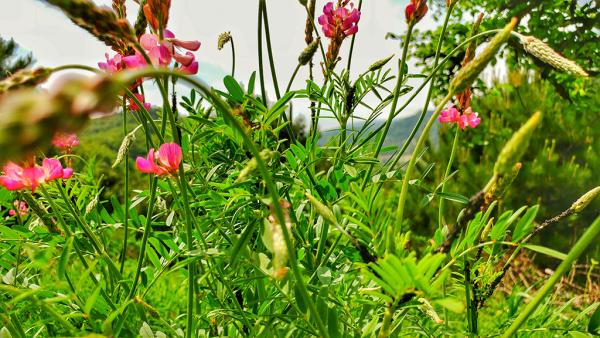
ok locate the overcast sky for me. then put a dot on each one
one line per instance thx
(55, 41)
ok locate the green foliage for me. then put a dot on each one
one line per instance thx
(8, 63)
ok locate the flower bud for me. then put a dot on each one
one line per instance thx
(322, 210)
(502, 184)
(415, 11)
(309, 52)
(516, 146)
(469, 73)
(303, 2)
(379, 64)
(584, 200)
(486, 230)
(152, 312)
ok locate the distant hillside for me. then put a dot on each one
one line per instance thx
(397, 135)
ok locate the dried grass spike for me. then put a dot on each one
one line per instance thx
(542, 51)
(25, 78)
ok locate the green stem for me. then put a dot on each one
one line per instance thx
(232, 57)
(398, 227)
(126, 223)
(430, 91)
(394, 103)
(269, 50)
(352, 42)
(588, 237)
(292, 78)
(260, 57)
(440, 213)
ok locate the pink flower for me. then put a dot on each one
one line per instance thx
(453, 115)
(469, 119)
(16, 178)
(134, 106)
(22, 207)
(415, 11)
(192, 68)
(169, 156)
(339, 22)
(65, 141)
(161, 52)
(449, 116)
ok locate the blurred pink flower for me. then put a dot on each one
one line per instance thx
(169, 156)
(22, 207)
(16, 178)
(339, 22)
(161, 52)
(192, 68)
(115, 64)
(65, 141)
(449, 116)
(134, 106)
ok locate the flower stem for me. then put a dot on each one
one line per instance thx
(352, 42)
(269, 50)
(125, 221)
(232, 57)
(430, 92)
(260, 57)
(394, 103)
(398, 227)
(293, 77)
(588, 237)
(440, 213)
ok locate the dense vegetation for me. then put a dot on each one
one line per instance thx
(476, 219)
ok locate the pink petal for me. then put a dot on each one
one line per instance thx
(12, 185)
(462, 121)
(185, 60)
(167, 34)
(67, 173)
(102, 65)
(169, 155)
(146, 166)
(189, 45)
(191, 70)
(147, 106)
(131, 61)
(352, 30)
(11, 212)
(322, 20)
(328, 31)
(149, 41)
(13, 171)
(52, 169)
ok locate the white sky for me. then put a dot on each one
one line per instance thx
(55, 41)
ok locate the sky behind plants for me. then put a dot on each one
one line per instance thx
(55, 41)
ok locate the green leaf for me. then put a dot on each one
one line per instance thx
(426, 199)
(333, 327)
(577, 334)
(299, 299)
(546, 251)
(324, 274)
(525, 225)
(117, 208)
(64, 257)
(281, 102)
(234, 88)
(153, 257)
(89, 303)
(251, 83)
(453, 197)
(594, 323)
(146, 331)
(242, 242)
(451, 304)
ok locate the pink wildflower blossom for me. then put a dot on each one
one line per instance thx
(341, 21)
(16, 178)
(65, 142)
(161, 52)
(453, 115)
(22, 207)
(168, 156)
(192, 68)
